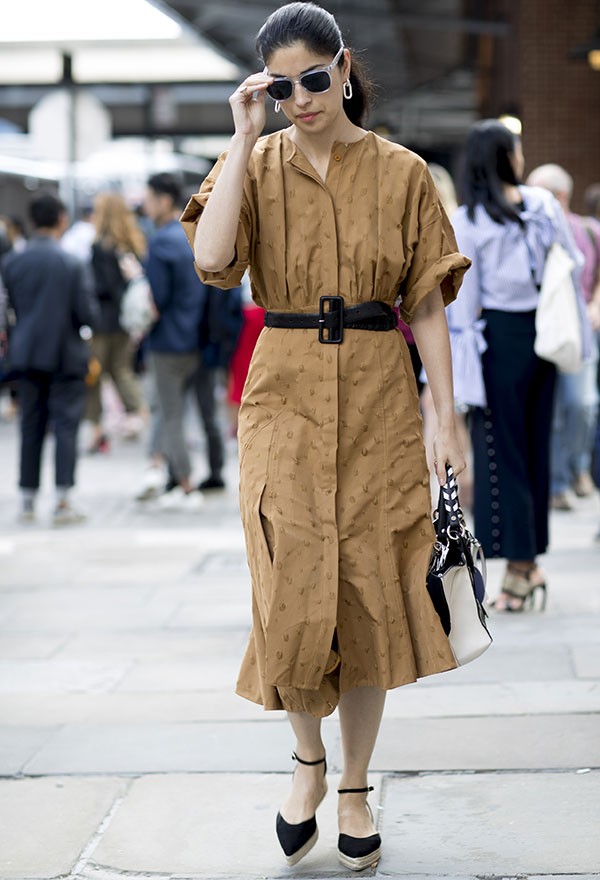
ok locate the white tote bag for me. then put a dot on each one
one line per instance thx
(558, 336)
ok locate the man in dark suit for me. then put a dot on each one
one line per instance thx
(51, 296)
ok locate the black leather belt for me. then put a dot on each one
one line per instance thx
(332, 318)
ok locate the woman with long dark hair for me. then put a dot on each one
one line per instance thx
(506, 229)
(335, 224)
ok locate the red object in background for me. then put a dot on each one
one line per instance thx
(253, 324)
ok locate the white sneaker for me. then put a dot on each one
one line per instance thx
(152, 484)
(133, 426)
(67, 515)
(179, 500)
(27, 515)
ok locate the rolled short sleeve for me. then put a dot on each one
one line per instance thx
(432, 251)
(230, 276)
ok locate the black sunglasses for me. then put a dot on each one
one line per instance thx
(282, 88)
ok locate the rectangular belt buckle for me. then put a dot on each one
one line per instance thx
(335, 327)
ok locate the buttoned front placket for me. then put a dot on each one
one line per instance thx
(328, 420)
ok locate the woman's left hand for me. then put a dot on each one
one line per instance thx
(447, 450)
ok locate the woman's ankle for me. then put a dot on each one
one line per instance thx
(522, 567)
(352, 781)
(311, 753)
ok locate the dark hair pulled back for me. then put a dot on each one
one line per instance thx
(487, 167)
(319, 31)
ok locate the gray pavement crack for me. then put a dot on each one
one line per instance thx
(92, 844)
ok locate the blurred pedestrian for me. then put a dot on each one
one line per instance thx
(173, 343)
(576, 395)
(334, 484)
(52, 298)
(507, 230)
(16, 232)
(15, 241)
(253, 321)
(592, 206)
(117, 252)
(447, 193)
(220, 327)
(591, 198)
(79, 238)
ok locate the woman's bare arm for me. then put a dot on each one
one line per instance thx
(214, 242)
(430, 329)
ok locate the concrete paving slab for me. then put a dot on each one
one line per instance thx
(78, 617)
(542, 698)
(587, 661)
(150, 645)
(493, 824)
(184, 675)
(93, 595)
(214, 826)
(46, 823)
(563, 697)
(540, 742)
(510, 663)
(30, 647)
(236, 616)
(121, 708)
(507, 743)
(18, 744)
(47, 676)
(162, 748)
(548, 630)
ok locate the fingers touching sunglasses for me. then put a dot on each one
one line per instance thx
(316, 81)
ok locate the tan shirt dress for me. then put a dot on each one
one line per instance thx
(334, 487)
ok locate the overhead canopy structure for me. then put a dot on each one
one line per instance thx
(148, 66)
(172, 73)
(109, 42)
(424, 57)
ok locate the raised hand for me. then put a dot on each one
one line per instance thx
(248, 104)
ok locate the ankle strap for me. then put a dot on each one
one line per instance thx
(308, 763)
(355, 790)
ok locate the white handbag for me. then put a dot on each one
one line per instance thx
(558, 336)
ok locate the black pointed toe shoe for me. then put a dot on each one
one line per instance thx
(297, 840)
(358, 853)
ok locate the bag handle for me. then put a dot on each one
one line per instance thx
(449, 513)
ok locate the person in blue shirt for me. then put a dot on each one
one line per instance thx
(173, 344)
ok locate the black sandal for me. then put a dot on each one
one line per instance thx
(518, 591)
(297, 840)
(358, 853)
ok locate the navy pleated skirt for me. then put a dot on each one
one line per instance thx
(511, 440)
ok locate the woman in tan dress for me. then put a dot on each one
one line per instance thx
(334, 484)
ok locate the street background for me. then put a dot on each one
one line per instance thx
(125, 753)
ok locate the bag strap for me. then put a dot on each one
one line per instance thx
(449, 510)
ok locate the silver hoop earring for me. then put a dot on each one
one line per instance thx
(347, 90)
(277, 107)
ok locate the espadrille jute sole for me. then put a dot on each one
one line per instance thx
(360, 863)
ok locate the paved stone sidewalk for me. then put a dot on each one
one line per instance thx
(125, 753)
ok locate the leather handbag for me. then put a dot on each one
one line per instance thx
(456, 578)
